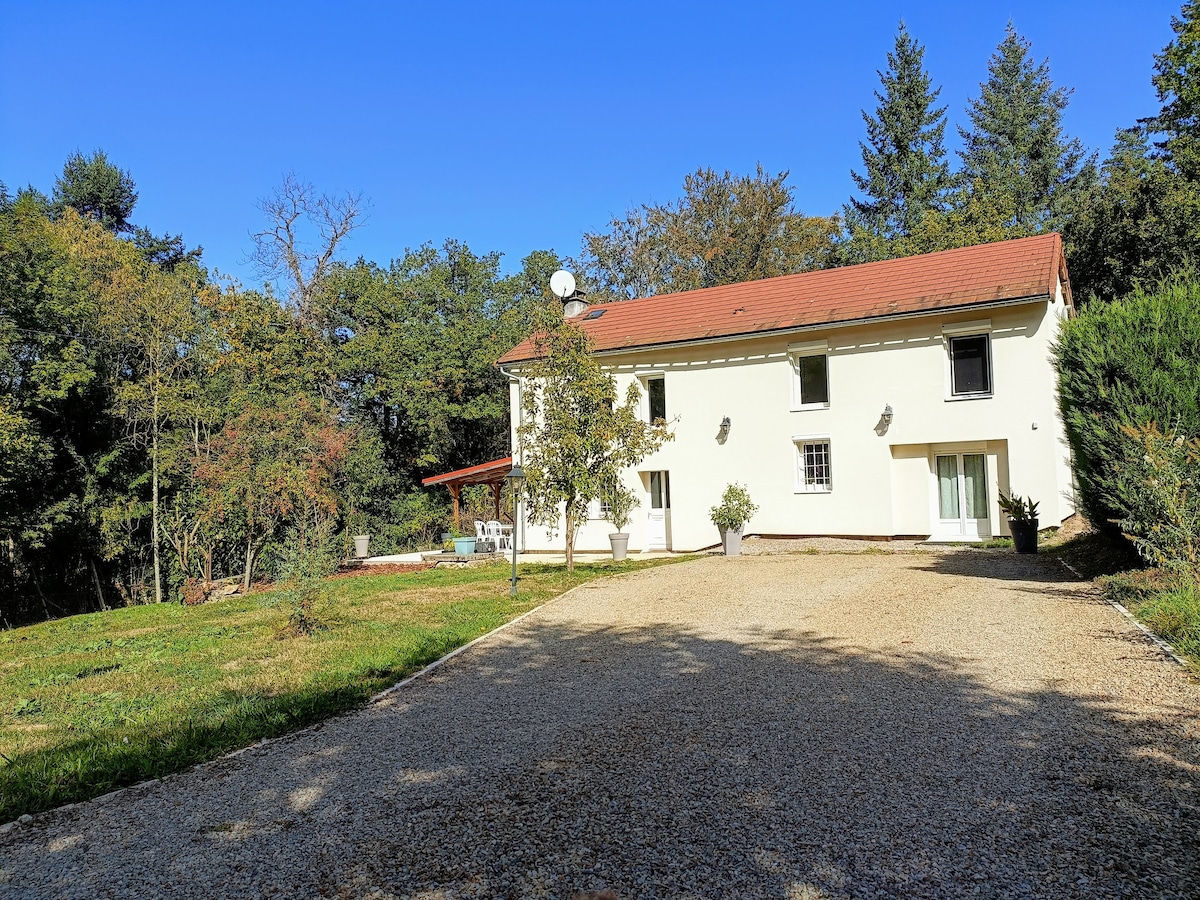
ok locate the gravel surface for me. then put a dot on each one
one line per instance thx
(801, 726)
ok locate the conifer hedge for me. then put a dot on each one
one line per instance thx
(1127, 363)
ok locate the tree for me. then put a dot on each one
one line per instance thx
(905, 172)
(576, 437)
(1016, 145)
(724, 229)
(1143, 219)
(417, 345)
(1123, 365)
(150, 318)
(1177, 82)
(302, 237)
(97, 190)
(271, 467)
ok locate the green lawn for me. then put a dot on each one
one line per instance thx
(94, 702)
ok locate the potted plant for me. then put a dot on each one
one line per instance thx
(621, 503)
(1022, 521)
(464, 542)
(731, 516)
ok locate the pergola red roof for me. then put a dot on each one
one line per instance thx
(1026, 268)
(491, 473)
(484, 473)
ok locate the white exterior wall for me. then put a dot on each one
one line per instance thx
(883, 485)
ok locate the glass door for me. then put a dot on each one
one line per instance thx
(658, 517)
(962, 495)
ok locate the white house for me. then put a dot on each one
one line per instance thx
(885, 400)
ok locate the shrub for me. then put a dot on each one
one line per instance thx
(1124, 364)
(734, 510)
(1158, 483)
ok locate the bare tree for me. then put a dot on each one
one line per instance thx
(303, 234)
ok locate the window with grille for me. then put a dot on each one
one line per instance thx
(813, 471)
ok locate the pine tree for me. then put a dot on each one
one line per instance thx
(97, 189)
(1177, 81)
(905, 169)
(1016, 144)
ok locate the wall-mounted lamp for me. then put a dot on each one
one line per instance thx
(723, 431)
(885, 420)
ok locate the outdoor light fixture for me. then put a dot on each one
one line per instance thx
(885, 420)
(723, 431)
(516, 480)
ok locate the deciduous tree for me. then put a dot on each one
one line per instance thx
(724, 229)
(578, 434)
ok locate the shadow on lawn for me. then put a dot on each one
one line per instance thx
(662, 762)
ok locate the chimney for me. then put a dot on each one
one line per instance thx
(575, 305)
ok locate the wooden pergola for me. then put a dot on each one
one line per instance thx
(489, 473)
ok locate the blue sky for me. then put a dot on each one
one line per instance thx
(510, 126)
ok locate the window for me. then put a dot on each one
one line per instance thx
(813, 471)
(656, 391)
(970, 365)
(810, 375)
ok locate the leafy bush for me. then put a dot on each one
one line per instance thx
(309, 556)
(1125, 364)
(734, 510)
(1158, 483)
(1018, 508)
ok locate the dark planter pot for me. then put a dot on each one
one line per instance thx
(485, 546)
(1024, 535)
(619, 541)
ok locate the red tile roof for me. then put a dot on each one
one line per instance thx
(947, 280)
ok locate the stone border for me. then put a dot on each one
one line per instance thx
(1158, 642)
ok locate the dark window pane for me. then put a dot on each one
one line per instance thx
(969, 361)
(814, 379)
(657, 389)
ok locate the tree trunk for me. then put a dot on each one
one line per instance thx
(158, 596)
(249, 564)
(96, 580)
(570, 532)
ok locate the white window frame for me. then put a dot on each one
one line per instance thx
(644, 379)
(979, 328)
(795, 353)
(803, 485)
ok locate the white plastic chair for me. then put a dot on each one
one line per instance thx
(480, 531)
(496, 533)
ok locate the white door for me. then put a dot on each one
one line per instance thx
(658, 518)
(962, 495)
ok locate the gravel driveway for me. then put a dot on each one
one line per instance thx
(915, 725)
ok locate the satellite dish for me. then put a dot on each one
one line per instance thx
(562, 283)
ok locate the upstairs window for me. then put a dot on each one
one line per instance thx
(810, 375)
(656, 393)
(970, 365)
